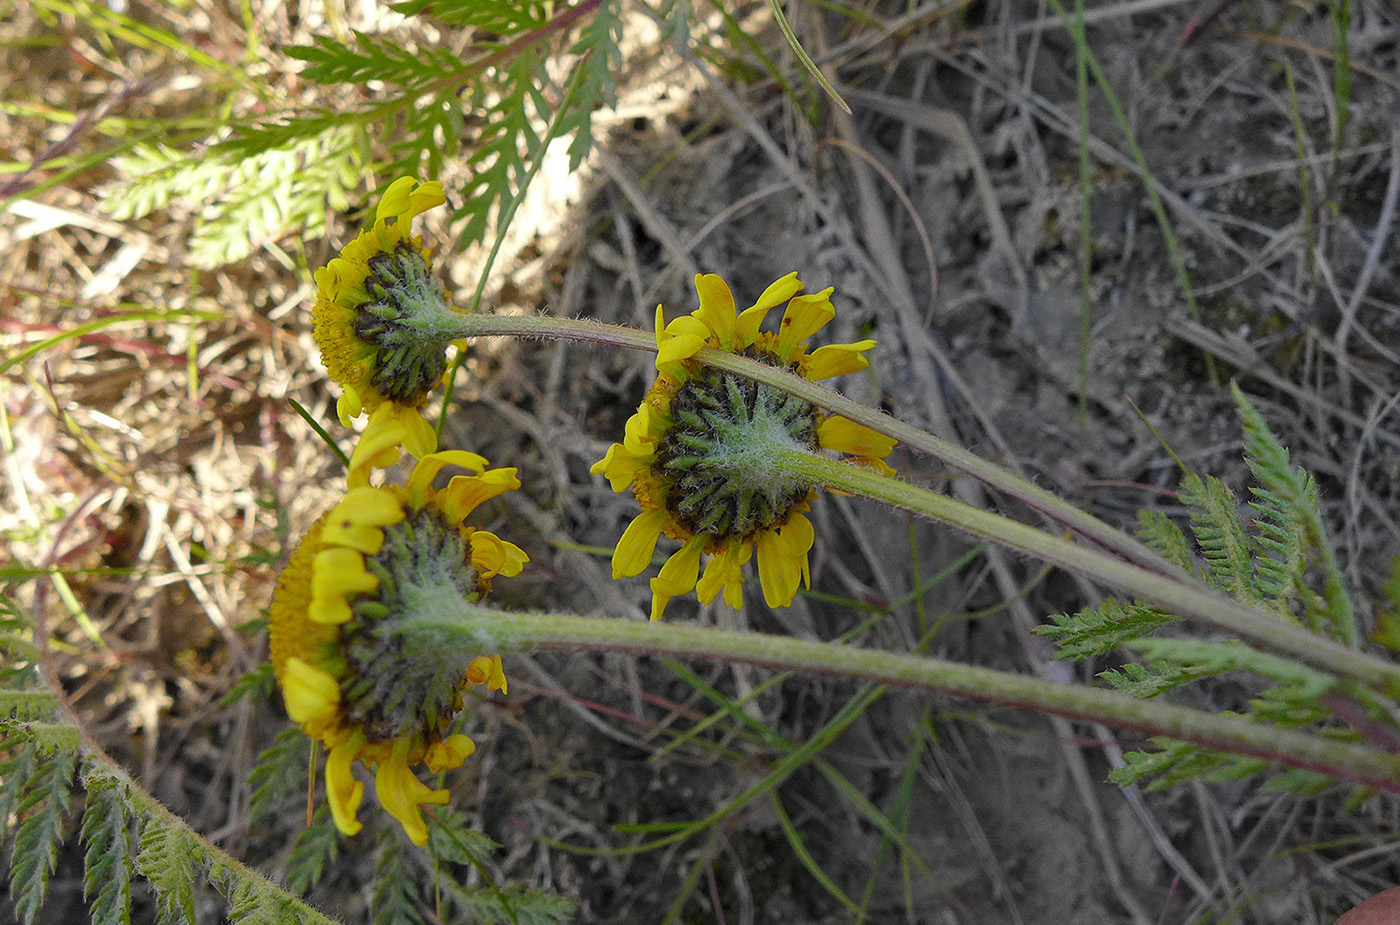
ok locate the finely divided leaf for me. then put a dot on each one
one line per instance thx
(1144, 681)
(1161, 533)
(374, 58)
(1293, 492)
(514, 906)
(396, 902)
(280, 771)
(503, 18)
(15, 769)
(1294, 681)
(600, 61)
(171, 861)
(1215, 520)
(43, 809)
(1103, 629)
(451, 839)
(1180, 761)
(108, 863)
(316, 846)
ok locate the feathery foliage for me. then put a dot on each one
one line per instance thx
(316, 846)
(43, 811)
(123, 830)
(245, 198)
(1279, 559)
(481, 93)
(107, 834)
(395, 894)
(281, 770)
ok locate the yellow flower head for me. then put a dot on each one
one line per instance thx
(372, 695)
(380, 314)
(694, 453)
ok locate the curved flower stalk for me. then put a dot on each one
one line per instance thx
(382, 319)
(380, 557)
(703, 454)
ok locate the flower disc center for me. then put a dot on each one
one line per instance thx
(717, 461)
(411, 356)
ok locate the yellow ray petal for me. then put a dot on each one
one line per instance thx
(637, 434)
(467, 492)
(312, 696)
(805, 315)
(637, 544)
(846, 436)
(488, 670)
(349, 405)
(337, 574)
(444, 756)
(400, 793)
(675, 349)
(620, 466)
(394, 201)
(836, 360)
(716, 309)
(725, 571)
(343, 792)
(358, 519)
(782, 560)
(429, 465)
(676, 577)
(751, 318)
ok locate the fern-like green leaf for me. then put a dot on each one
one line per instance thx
(15, 769)
(1103, 629)
(374, 58)
(48, 738)
(1161, 533)
(504, 19)
(253, 902)
(1300, 782)
(43, 809)
(246, 196)
(600, 56)
(1295, 494)
(513, 906)
(451, 839)
(27, 704)
(1179, 761)
(1279, 563)
(500, 152)
(315, 847)
(1387, 631)
(254, 686)
(1215, 520)
(108, 858)
(280, 771)
(1295, 682)
(1144, 681)
(396, 901)
(171, 860)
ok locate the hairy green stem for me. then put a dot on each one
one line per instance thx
(1189, 600)
(1144, 574)
(518, 632)
(1111, 538)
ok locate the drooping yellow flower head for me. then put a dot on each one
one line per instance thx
(379, 310)
(369, 694)
(693, 454)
